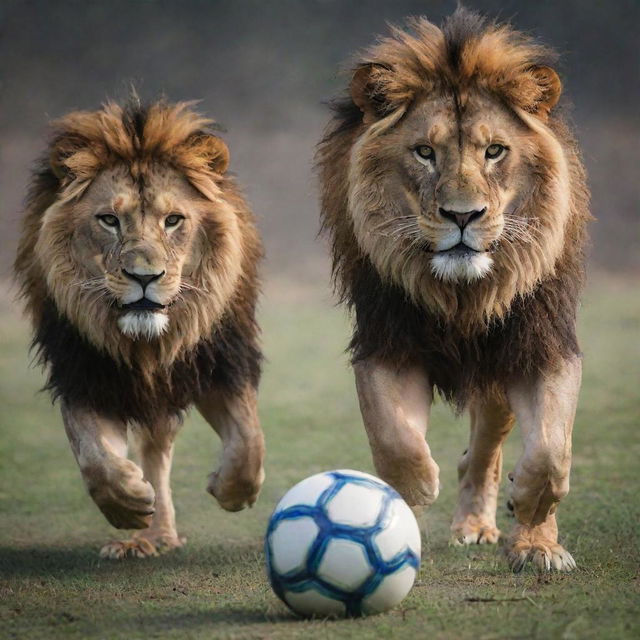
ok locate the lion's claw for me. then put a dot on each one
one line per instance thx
(119, 549)
(141, 546)
(545, 555)
(483, 535)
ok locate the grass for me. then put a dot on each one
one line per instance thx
(53, 585)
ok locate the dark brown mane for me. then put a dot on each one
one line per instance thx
(82, 376)
(538, 331)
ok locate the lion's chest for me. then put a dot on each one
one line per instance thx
(537, 332)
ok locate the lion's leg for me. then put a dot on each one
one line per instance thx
(395, 407)
(116, 484)
(545, 409)
(155, 450)
(234, 416)
(479, 472)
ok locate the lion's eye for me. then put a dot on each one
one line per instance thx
(173, 220)
(108, 220)
(424, 153)
(494, 151)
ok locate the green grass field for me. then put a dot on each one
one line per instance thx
(53, 584)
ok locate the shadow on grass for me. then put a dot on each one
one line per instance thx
(83, 561)
(236, 615)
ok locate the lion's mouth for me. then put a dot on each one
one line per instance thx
(459, 250)
(144, 304)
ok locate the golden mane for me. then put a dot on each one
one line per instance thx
(85, 142)
(468, 56)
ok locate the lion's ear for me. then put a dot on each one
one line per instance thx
(367, 91)
(211, 149)
(549, 89)
(63, 152)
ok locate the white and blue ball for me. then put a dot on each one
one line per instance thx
(342, 543)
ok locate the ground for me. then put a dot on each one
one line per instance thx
(54, 585)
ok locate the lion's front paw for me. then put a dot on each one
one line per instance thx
(419, 492)
(234, 491)
(123, 496)
(530, 544)
(474, 530)
(417, 484)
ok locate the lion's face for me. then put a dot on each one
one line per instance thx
(461, 179)
(456, 181)
(135, 243)
(136, 251)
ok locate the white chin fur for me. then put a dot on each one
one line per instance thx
(145, 324)
(454, 268)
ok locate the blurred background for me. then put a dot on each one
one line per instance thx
(265, 70)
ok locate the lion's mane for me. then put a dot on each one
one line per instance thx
(518, 320)
(213, 337)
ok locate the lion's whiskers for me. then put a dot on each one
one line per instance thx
(390, 221)
(189, 286)
(89, 283)
(519, 229)
(402, 227)
(97, 293)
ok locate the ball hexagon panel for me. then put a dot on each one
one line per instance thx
(355, 505)
(344, 564)
(290, 542)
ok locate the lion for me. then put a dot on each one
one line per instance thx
(456, 204)
(138, 263)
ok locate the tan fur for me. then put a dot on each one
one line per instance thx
(236, 484)
(116, 484)
(395, 407)
(519, 264)
(480, 472)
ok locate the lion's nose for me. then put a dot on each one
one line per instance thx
(462, 218)
(143, 278)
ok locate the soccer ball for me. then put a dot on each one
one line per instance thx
(342, 543)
